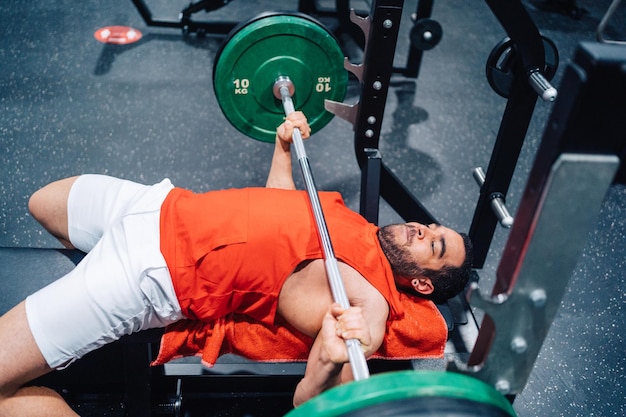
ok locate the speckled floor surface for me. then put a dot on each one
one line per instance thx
(71, 105)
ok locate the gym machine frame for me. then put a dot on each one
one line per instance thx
(513, 353)
(189, 25)
(579, 157)
(341, 12)
(381, 32)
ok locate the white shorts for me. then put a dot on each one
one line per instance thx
(121, 286)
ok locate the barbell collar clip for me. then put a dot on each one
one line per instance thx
(498, 204)
(499, 209)
(542, 86)
(280, 83)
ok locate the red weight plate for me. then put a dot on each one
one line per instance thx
(118, 35)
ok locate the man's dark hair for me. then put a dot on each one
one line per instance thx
(450, 281)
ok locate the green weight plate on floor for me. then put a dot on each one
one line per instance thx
(432, 391)
(260, 50)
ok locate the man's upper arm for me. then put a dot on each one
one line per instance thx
(375, 307)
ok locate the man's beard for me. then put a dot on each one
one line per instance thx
(402, 263)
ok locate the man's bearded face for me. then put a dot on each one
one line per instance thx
(399, 256)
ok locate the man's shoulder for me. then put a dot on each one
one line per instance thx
(360, 289)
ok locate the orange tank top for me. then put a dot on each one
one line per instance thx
(230, 251)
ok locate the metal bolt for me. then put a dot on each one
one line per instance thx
(503, 386)
(371, 120)
(369, 133)
(387, 24)
(519, 345)
(428, 35)
(538, 297)
(377, 85)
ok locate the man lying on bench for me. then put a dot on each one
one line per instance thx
(162, 256)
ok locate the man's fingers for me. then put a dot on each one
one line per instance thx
(298, 120)
(351, 324)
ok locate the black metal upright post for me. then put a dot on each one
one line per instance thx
(530, 51)
(385, 18)
(423, 10)
(508, 145)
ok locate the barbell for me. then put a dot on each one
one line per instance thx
(266, 68)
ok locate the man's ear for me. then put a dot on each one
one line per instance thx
(423, 285)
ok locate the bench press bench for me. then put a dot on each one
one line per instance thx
(119, 373)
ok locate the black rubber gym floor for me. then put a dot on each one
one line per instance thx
(70, 104)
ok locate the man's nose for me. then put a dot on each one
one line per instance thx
(425, 231)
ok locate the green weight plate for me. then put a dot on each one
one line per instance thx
(389, 388)
(257, 52)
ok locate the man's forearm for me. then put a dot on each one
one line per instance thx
(281, 174)
(319, 377)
